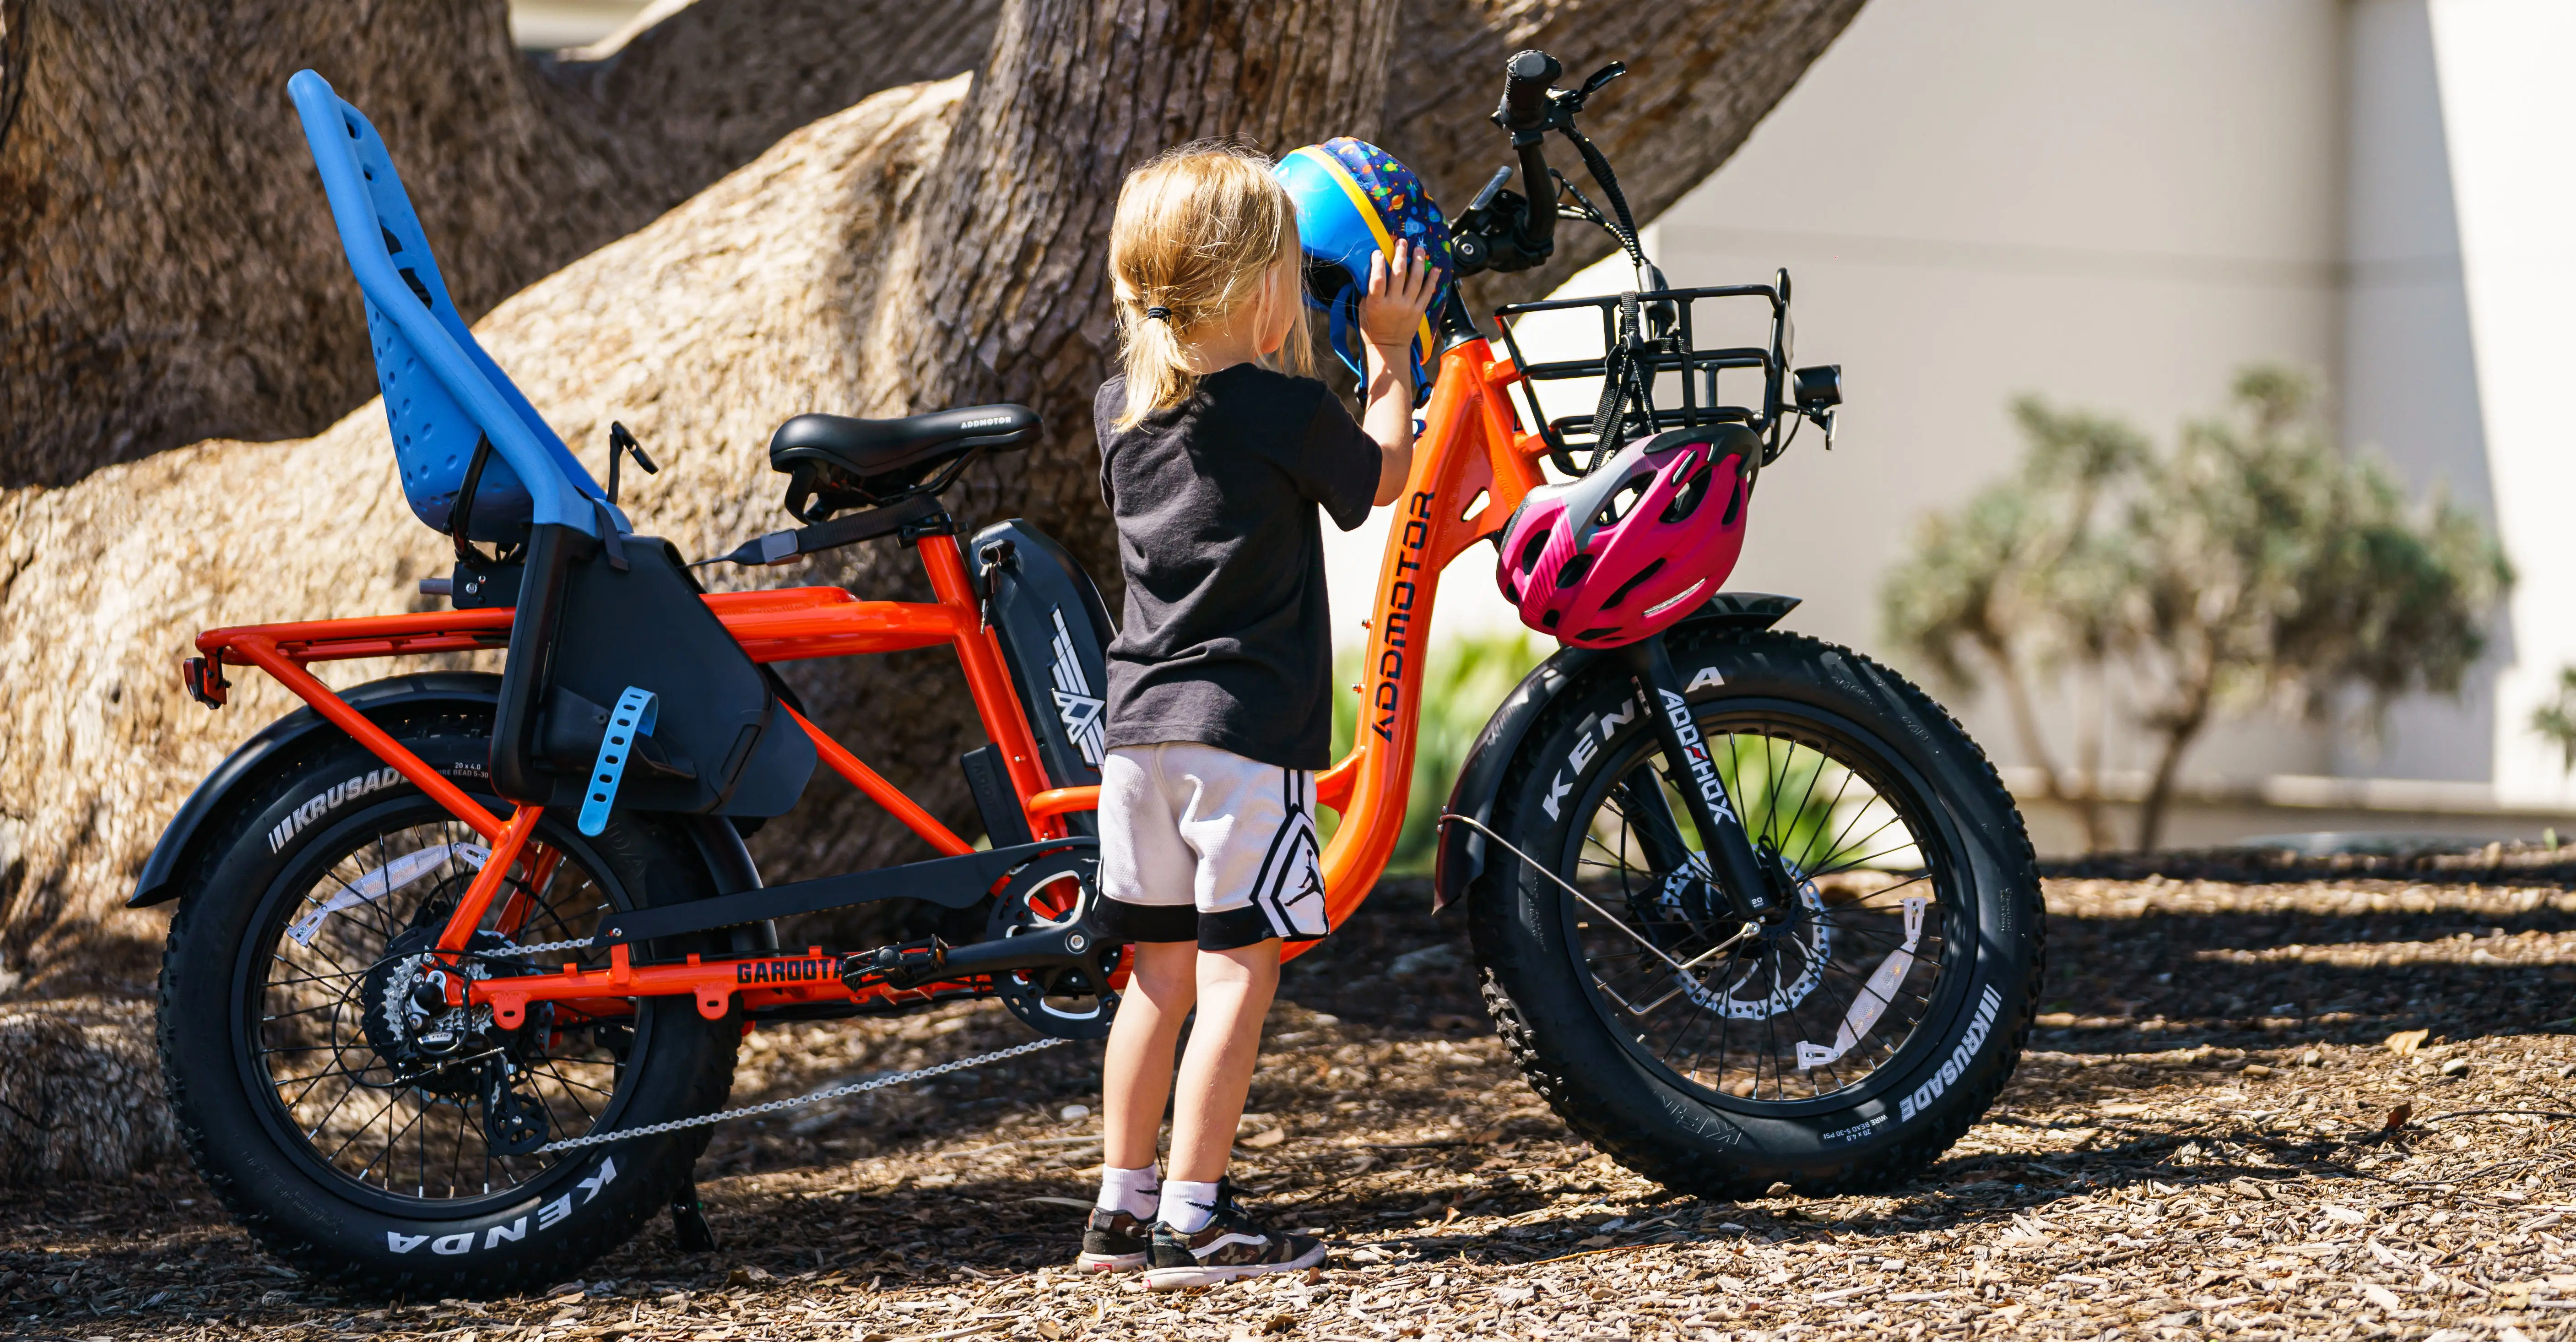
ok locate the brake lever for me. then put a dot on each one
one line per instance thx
(1567, 104)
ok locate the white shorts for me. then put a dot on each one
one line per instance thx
(1201, 844)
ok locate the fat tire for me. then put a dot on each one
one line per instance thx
(302, 1216)
(1534, 990)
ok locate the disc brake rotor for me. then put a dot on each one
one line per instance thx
(1774, 971)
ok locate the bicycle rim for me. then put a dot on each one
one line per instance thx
(1818, 1011)
(351, 1082)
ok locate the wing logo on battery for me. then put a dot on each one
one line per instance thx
(1076, 706)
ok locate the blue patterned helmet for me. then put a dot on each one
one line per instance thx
(1354, 199)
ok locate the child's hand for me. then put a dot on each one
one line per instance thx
(1392, 309)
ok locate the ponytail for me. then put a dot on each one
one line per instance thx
(1198, 233)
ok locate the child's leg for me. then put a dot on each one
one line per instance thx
(1147, 900)
(1234, 992)
(1136, 1072)
(1201, 1236)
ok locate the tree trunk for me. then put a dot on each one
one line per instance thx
(933, 245)
(2085, 804)
(1700, 76)
(167, 268)
(2180, 728)
(166, 275)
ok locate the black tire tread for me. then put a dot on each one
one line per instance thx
(546, 1261)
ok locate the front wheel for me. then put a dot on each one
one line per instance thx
(353, 1123)
(1843, 1047)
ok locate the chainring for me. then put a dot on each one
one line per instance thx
(1052, 893)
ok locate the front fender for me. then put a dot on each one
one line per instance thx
(1461, 852)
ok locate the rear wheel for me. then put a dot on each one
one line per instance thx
(1845, 1046)
(354, 1123)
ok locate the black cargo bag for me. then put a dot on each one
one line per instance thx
(598, 618)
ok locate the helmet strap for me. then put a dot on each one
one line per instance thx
(1622, 386)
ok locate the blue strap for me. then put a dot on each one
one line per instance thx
(634, 716)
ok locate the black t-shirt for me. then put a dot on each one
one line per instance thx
(1227, 639)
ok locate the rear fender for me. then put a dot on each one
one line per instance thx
(382, 701)
(1462, 848)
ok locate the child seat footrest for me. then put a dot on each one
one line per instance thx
(636, 711)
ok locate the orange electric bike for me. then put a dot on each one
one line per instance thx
(460, 961)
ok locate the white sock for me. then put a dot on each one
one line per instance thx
(1187, 1207)
(1129, 1191)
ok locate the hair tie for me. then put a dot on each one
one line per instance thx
(1158, 314)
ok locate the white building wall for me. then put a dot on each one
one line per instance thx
(2408, 379)
(2118, 205)
(2509, 121)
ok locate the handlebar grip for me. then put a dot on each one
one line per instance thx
(1526, 79)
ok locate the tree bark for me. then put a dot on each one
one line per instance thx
(166, 274)
(167, 268)
(935, 244)
(2086, 802)
(2181, 727)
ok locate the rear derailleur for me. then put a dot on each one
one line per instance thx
(450, 1052)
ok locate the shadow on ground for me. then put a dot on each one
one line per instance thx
(2213, 1063)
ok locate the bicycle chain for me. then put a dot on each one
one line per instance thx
(507, 952)
(747, 1111)
(750, 1110)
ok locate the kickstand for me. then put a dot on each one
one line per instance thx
(689, 1228)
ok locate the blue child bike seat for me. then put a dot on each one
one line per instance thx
(444, 396)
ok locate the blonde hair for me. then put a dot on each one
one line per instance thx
(1198, 231)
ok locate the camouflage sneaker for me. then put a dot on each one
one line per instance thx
(1232, 1244)
(1113, 1242)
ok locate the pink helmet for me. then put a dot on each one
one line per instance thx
(1635, 545)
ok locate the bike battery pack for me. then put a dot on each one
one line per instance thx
(1055, 633)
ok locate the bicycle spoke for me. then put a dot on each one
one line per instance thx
(1734, 1024)
(373, 1107)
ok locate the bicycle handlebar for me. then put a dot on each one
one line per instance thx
(1527, 111)
(1526, 80)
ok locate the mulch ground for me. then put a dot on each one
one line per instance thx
(2331, 1108)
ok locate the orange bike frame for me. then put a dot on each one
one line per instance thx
(1472, 465)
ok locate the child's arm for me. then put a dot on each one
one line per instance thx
(1390, 315)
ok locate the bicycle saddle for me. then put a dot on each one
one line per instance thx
(836, 462)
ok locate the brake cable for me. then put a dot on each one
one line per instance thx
(1679, 967)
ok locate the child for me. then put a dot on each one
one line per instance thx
(1220, 708)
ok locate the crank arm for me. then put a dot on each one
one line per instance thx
(1059, 948)
(914, 964)
(1721, 834)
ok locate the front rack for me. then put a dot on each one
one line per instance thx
(1674, 351)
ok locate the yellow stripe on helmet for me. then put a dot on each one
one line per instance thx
(1351, 187)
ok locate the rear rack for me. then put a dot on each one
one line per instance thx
(1675, 351)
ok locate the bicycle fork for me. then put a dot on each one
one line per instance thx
(1736, 867)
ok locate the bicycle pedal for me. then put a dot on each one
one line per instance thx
(689, 1228)
(907, 965)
